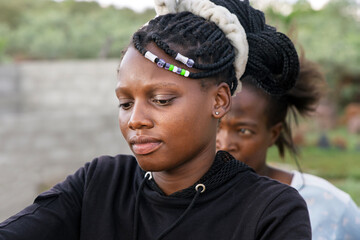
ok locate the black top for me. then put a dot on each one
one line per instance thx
(98, 202)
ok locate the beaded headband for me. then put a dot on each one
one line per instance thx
(167, 66)
(222, 17)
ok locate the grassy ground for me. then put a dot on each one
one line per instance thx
(340, 167)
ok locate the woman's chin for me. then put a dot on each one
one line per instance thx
(149, 165)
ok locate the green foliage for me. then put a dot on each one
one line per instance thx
(11, 11)
(4, 31)
(43, 29)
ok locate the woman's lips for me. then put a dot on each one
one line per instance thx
(142, 145)
(145, 148)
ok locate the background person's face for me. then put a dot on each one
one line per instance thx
(243, 131)
(165, 118)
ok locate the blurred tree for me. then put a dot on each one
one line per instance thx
(11, 11)
(43, 29)
(4, 30)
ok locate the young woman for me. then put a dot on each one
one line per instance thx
(258, 120)
(174, 84)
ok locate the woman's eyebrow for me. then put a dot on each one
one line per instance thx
(155, 86)
(163, 85)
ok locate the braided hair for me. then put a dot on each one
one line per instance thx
(272, 60)
(197, 38)
(301, 100)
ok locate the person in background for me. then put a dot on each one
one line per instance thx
(258, 120)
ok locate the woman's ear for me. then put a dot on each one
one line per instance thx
(275, 133)
(222, 101)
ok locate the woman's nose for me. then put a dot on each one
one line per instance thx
(140, 117)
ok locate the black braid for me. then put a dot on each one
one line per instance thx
(136, 40)
(214, 36)
(212, 72)
(226, 59)
(278, 63)
(161, 44)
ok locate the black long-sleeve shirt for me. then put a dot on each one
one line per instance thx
(98, 202)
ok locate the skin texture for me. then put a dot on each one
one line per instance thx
(168, 120)
(244, 132)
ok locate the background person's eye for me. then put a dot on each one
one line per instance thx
(244, 131)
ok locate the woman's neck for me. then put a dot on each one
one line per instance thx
(277, 174)
(185, 175)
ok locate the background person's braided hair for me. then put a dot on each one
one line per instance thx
(301, 100)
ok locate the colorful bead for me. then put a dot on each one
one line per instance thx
(171, 67)
(190, 63)
(178, 71)
(167, 66)
(161, 63)
(182, 72)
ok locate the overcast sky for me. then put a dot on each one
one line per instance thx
(139, 5)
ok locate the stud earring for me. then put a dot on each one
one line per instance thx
(217, 113)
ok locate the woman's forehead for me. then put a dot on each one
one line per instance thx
(136, 71)
(248, 101)
(133, 62)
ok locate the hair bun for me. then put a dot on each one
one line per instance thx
(273, 61)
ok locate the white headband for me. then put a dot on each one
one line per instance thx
(222, 17)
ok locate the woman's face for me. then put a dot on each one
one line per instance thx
(165, 118)
(244, 133)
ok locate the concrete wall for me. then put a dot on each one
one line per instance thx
(54, 117)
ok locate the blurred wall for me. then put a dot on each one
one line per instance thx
(54, 117)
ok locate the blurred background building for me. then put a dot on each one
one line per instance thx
(58, 108)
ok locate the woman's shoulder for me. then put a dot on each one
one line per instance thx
(271, 199)
(107, 161)
(268, 189)
(110, 166)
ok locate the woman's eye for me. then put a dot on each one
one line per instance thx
(163, 102)
(125, 106)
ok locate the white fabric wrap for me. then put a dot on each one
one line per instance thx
(222, 17)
